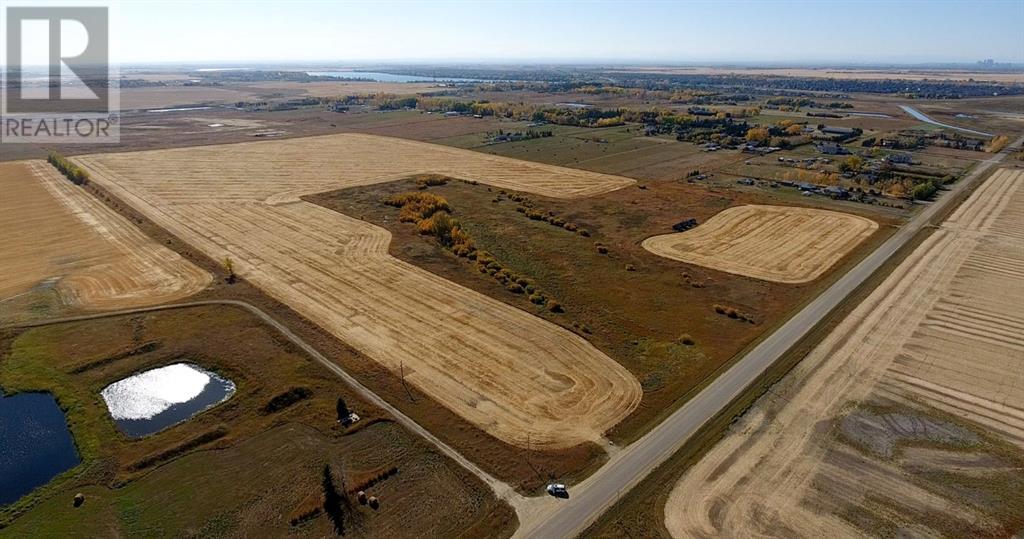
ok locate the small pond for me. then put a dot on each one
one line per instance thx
(151, 401)
(35, 444)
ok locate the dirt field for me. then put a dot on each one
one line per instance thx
(471, 353)
(776, 243)
(240, 469)
(907, 419)
(58, 237)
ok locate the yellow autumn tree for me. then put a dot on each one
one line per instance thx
(757, 134)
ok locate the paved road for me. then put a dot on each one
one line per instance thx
(501, 489)
(924, 118)
(629, 466)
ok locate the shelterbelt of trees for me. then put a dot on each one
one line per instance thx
(664, 119)
(930, 89)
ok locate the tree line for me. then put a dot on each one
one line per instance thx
(71, 171)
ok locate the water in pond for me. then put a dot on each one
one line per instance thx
(386, 77)
(35, 443)
(151, 401)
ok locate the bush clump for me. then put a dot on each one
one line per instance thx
(555, 306)
(416, 206)
(429, 180)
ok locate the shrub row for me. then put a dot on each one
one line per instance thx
(365, 485)
(429, 180)
(431, 215)
(71, 171)
(286, 399)
(202, 439)
(553, 219)
(731, 312)
(526, 207)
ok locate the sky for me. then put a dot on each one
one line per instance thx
(784, 32)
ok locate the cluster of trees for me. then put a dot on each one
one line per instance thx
(794, 103)
(71, 171)
(432, 216)
(757, 134)
(573, 78)
(924, 190)
(852, 163)
(516, 136)
(415, 206)
(899, 142)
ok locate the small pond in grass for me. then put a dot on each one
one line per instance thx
(35, 444)
(151, 401)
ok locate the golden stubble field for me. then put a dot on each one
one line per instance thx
(783, 244)
(97, 259)
(908, 417)
(522, 379)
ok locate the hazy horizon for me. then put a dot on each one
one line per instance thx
(737, 32)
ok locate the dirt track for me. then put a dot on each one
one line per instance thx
(784, 244)
(99, 260)
(523, 380)
(942, 337)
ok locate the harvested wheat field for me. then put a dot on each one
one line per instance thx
(908, 419)
(516, 376)
(783, 244)
(56, 231)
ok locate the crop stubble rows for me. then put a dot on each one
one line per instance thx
(944, 332)
(784, 244)
(516, 376)
(98, 259)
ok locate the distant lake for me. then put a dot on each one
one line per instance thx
(153, 400)
(386, 77)
(35, 444)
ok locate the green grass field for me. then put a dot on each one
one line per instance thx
(258, 468)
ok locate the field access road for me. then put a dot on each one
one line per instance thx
(553, 518)
(924, 118)
(501, 489)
